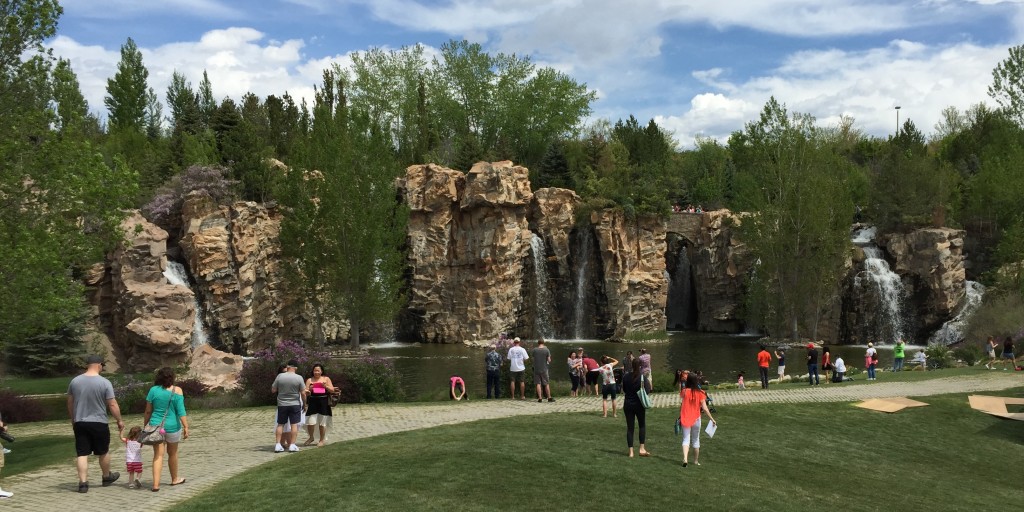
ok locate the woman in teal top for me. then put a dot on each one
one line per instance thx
(166, 399)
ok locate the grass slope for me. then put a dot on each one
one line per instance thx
(766, 456)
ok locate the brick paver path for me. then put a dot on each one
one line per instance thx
(213, 454)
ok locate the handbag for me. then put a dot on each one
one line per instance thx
(645, 399)
(154, 434)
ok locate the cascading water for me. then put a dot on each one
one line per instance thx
(680, 294)
(886, 284)
(579, 321)
(175, 274)
(953, 330)
(544, 301)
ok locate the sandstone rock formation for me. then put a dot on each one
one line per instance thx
(633, 257)
(931, 263)
(147, 320)
(218, 370)
(233, 253)
(468, 237)
(720, 262)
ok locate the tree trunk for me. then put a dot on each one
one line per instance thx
(353, 334)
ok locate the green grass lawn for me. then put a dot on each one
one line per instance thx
(764, 457)
(32, 453)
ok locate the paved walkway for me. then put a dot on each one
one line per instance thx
(212, 455)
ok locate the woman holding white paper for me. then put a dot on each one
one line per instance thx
(694, 402)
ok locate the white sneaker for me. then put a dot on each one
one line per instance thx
(7, 450)
(293, 448)
(278, 448)
(5, 494)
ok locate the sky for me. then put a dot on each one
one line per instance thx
(699, 68)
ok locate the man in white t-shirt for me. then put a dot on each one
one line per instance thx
(517, 357)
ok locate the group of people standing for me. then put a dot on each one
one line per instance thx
(302, 401)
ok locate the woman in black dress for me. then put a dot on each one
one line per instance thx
(318, 404)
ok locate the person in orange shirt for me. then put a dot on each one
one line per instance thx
(764, 359)
(694, 401)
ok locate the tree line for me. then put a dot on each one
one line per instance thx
(70, 173)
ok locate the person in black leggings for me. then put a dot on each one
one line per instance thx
(634, 409)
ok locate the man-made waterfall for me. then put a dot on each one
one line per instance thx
(175, 274)
(579, 317)
(886, 284)
(680, 308)
(953, 330)
(544, 304)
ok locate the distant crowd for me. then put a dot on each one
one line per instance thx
(687, 209)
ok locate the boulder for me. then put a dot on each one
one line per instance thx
(217, 370)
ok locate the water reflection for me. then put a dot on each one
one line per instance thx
(425, 368)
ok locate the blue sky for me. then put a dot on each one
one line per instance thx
(698, 67)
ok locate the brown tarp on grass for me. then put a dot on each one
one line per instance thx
(996, 406)
(890, 405)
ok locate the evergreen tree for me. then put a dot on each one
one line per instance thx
(127, 97)
(207, 105)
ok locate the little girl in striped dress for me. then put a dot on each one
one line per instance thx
(133, 457)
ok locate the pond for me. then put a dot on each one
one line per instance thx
(425, 368)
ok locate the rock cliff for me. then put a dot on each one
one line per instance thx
(147, 320)
(931, 263)
(233, 253)
(468, 238)
(633, 259)
(720, 264)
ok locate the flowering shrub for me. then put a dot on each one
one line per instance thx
(192, 387)
(131, 394)
(16, 408)
(167, 200)
(374, 379)
(258, 373)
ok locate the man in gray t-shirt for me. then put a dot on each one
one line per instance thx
(89, 397)
(291, 395)
(541, 359)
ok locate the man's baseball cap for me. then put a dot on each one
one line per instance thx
(293, 364)
(810, 345)
(516, 340)
(93, 359)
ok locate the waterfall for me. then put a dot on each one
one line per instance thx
(175, 274)
(579, 321)
(680, 294)
(953, 330)
(544, 302)
(887, 285)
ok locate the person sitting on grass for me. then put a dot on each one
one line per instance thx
(457, 382)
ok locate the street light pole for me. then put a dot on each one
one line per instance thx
(897, 120)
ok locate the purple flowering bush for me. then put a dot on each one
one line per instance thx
(369, 379)
(258, 373)
(167, 200)
(131, 394)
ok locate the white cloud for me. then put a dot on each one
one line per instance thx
(865, 85)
